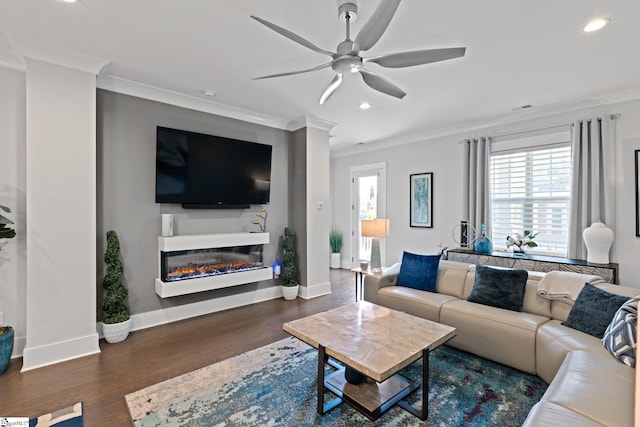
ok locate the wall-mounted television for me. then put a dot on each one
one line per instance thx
(206, 171)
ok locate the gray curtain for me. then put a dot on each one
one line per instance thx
(593, 179)
(475, 202)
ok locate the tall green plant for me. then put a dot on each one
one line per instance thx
(6, 232)
(114, 304)
(335, 240)
(288, 259)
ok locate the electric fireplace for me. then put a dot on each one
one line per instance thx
(197, 263)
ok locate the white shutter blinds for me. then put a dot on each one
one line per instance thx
(530, 181)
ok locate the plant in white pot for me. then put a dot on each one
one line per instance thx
(6, 332)
(117, 321)
(289, 283)
(335, 241)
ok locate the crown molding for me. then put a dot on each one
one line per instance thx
(153, 93)
(27, 48)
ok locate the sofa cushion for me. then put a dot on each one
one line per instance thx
(414, 301)
(620, 336)
(419, 271)
(596, 387)
(504, 336)
(593, 310)
(498, 287)
(554, 342)
(546, 413)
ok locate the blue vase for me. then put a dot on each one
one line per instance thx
(483, 244)
(6, 348)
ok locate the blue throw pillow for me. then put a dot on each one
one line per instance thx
(499, 287)
(593, 310)
(419, 271)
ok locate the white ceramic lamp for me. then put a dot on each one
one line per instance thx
(598, 239)
(376, 229)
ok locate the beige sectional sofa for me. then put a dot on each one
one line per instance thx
(587, 385)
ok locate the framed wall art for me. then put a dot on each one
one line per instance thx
(421, 203)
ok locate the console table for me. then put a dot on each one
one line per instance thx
(609, 272)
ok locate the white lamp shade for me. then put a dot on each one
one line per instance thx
(375, 227)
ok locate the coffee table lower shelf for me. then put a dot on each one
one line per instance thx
(370, 398)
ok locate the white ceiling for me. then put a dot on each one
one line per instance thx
(517, 53)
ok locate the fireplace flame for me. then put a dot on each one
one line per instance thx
(193, 271)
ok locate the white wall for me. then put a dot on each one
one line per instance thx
(12, 194)
(443, 156)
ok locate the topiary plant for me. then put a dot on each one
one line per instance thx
(288, 259)
(6, 232)
(114, 304)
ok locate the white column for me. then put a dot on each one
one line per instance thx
(61, 204)
(318, 220)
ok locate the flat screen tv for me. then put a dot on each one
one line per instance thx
(206, 171)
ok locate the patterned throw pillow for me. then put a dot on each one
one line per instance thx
(620, 336)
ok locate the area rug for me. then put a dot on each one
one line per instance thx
(275, 385)
(67, 417)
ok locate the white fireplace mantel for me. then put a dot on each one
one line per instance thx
(205, 241)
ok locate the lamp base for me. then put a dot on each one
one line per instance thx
(376, 262)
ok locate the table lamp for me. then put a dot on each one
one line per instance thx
(375, 228)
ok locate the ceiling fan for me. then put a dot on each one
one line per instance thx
(347, 58)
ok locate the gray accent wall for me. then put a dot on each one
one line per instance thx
(126, 141)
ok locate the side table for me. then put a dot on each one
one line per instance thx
(360, 273)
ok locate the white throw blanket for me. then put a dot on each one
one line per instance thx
(564, 285)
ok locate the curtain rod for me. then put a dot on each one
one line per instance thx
(613, 116)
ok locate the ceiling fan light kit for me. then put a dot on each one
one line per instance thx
(347, 58)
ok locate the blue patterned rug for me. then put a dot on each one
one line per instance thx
(275, 385)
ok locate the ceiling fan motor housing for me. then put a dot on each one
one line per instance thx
(348, 9)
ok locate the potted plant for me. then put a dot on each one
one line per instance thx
(6, 332)
(289, 283)
(335, 241)
(117, 321)
(522, 241)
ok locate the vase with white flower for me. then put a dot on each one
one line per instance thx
(519, 242)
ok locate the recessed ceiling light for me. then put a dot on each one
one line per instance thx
(69, 1)
(596, 24)
(365, 106)
(208, 92)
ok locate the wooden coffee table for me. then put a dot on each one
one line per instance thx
(377, 342)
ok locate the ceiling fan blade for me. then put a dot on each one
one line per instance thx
(331, 88)
(417, 57)
(376, 25)
(290, 73)
(291, 36)
(382, 85)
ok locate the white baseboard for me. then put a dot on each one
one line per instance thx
(173, 314)
(308, 292)
(37, 357)
(18, 346)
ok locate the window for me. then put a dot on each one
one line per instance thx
(530, 189)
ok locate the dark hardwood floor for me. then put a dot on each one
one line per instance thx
(153, 355)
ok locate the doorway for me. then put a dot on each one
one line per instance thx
(368, 201)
